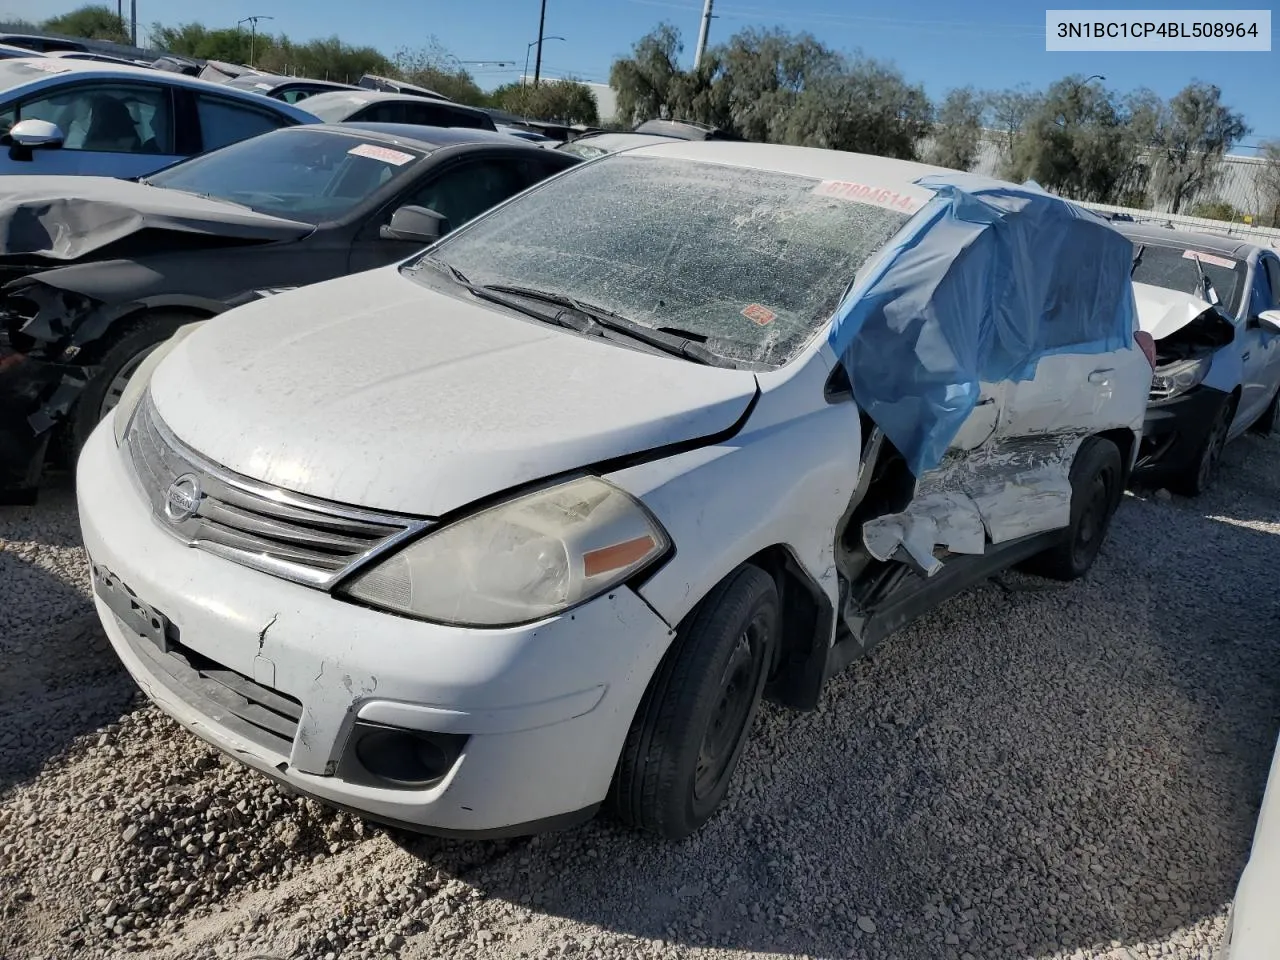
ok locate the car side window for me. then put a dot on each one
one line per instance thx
(110, 118)
(428, 114)
(386, 112)
(1273, 276)
(463, 192)
(225, 121)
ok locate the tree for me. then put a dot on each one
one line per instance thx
(433, 67)
(1144, 112)
(1009, 110)
(762, 75)
(1267, 185)
(1073, 142)
(1195, 135)
(561, 101)
(90, 22)
(644, 81)
(957, 130)
(866, 108)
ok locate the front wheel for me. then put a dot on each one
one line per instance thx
(115, 367)
(1097, 482)
(1197, 478)
(689, 731)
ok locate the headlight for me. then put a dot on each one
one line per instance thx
(1177, 378)
(519, 561)
(137, 385)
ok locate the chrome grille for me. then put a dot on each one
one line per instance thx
(300, 538)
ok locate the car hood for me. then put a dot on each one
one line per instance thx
(1162, 311)
(377, 391)
(66, 218)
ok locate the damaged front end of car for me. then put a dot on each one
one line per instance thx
(42, 332)
(1194, 376)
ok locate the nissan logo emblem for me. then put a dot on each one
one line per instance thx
(182, 500)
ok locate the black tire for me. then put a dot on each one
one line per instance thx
(1198, 477)
(1269, 422)
(1097, 483)
(689, 731)
(123, 352)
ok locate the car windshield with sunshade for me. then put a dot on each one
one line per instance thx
(309, 175)
(1174, 268)
(753, 261)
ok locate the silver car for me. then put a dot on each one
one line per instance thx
(65, 116)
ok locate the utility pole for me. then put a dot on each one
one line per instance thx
(702, 34)
(253, 31)
(133, 22)
(542, 24)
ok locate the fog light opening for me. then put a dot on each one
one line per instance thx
(406, 759)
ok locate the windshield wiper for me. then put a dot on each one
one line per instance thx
(450, 268)
(670, 340)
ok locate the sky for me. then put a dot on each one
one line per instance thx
(933, 42)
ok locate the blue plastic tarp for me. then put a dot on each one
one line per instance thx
(984, 281)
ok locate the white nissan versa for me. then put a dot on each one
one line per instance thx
(530, 522)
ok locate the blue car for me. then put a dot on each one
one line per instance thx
(65, 116)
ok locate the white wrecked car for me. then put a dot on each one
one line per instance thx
(531, 521)
(1212, 304)
(1253, 926)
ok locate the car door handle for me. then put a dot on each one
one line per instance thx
(1100, 376)
(1245, 355)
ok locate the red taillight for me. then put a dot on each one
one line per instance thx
(1147, 344)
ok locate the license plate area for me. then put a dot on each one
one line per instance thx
(140, 617)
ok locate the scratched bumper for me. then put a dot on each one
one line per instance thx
(545, 708)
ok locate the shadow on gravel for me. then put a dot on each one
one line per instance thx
(1034, 768)
(59, 678)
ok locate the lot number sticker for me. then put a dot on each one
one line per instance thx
(1208, 258)
(385, 154)
(758, 314)
(864, 193)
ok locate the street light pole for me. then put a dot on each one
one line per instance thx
(537, 64)
(524, 77)
(253, 31)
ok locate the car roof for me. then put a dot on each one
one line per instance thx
(363, 95)
(1206, 242)
(814, 162)
(430, 138)
(248, 81)
(44, 67)
(10, 49)
(619, 141)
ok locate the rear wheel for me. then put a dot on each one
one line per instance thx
(1097, 482)
(1197, 478)
(115, 367)
(689, 731)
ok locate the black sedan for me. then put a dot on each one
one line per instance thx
(107, 269)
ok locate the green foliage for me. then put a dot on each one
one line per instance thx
(1267, 202)
(1192, 137)
(92, 22)
(957, 130)
(1216, 210)
(1074, 141)
(324, 59)
(773, 86)
(561, 101)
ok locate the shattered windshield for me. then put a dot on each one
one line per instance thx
(1174, 268)
(754, 261)
(308, 175)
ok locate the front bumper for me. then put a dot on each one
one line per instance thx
(544, 708)
(1175, 431)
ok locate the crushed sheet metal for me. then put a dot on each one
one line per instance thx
(1040, 276)
(1003, 490)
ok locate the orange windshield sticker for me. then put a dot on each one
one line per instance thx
(1208, 258)
(758, 314)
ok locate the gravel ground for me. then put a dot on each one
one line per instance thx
(1032, 771)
